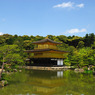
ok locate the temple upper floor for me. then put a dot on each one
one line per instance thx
(46, 46)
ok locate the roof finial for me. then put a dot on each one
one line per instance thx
(47, 37)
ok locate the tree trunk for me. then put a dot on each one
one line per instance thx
(2, 69)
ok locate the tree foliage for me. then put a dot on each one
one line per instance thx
(81, 49)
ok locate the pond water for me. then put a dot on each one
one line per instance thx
(35, 82)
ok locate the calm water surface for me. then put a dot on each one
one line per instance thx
(35, 82)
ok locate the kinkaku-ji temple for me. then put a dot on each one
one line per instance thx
(46, 53)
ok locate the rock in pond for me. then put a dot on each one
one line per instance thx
(20, 70)
(15, 70)
(3, 83)
(79, 70)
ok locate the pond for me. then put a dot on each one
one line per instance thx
(36, 82)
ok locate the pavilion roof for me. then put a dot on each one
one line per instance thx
(39, 50)
(46, 40)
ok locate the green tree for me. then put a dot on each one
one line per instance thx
(82, 57)
(93, 45)
(10, 55)
(28, 45)
(80, 44)
(62, 38)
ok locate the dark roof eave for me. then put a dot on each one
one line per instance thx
(39, 50)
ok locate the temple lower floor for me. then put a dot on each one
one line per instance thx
(46, 62)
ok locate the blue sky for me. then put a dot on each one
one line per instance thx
(47, 17)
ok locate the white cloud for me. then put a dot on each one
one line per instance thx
(1, 33)
(65, 5)
(71, 31)
(69, 5)
(80, 5)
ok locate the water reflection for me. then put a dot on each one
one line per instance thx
(60, 74)
(35, 82)
(46, 82)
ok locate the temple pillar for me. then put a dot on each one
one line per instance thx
(60, 62)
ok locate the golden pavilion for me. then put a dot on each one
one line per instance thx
(46, 53)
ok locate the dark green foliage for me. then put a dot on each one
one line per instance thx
(80, 44)
(93, 45)
(78, 55)
(89, 39)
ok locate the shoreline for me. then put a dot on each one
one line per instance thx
(46, 68)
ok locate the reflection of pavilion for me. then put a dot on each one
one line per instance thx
(46, 82)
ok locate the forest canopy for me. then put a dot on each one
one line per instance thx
(81, 49)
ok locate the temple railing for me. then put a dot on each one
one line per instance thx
(46, 47)
(47, 55)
